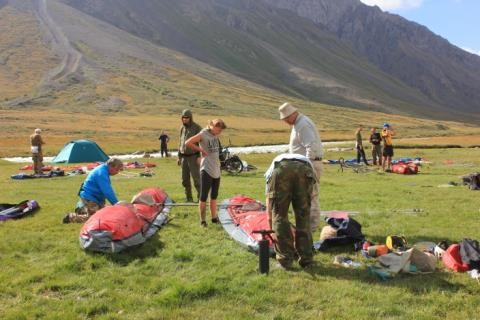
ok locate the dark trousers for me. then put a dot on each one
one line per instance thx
(361, 154)
(377, 154)
(163, 151)
(190, 168)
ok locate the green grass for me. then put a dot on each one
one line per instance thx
(187, 272)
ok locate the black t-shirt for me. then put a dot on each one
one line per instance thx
(163, 139)
(375, 138)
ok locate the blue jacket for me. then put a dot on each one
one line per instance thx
(97, 187)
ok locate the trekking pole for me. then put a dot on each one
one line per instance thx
(195, 204)
(186, 204)
(263, 250)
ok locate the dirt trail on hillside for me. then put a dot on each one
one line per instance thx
(71, 57)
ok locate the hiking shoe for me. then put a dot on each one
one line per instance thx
(189, 200)
(66, 218)
(215, 220)
(203, 224)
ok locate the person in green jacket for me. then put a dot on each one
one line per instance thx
(188, 158)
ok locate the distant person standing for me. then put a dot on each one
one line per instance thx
(36, 143)
(189, 158)
(305, 140)
(163, 144)
(376, 140)
(359, 146)
(387, 134)
(207, 143)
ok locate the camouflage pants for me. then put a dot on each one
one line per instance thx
(315, 205)
(291, 182)
(84, 210)
(37, 162)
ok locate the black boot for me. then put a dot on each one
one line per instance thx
(66, 218)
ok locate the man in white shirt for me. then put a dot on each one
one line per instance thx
(305, 140)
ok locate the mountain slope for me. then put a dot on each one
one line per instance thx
(293, 46)
(24, 55)
(118, 55)
(272, 47)
(119, 72)
(446, 74)
(125, 88)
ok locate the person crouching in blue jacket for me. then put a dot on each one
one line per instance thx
(96, 188)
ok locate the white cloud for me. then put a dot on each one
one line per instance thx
(474, 51)
(394, 4)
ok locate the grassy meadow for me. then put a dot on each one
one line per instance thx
(188, 272)
(185, 271)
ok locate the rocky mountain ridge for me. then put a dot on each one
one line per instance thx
(341, 53)
(445, 73)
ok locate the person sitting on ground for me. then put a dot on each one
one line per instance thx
(96, 188)
(387, 134)
(207, 143)
(359, 146)
(36, 143)
(376, 140)
(290, 179)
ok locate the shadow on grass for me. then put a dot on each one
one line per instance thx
(149, 248)
(243, 174)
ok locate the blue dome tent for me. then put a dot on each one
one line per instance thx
(77, 151)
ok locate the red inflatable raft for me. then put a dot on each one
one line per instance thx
(115, 228)
(240, 216)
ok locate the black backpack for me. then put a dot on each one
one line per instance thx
(349, 231)
(470, 253)
(16, 211)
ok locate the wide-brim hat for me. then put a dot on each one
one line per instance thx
(286, 110)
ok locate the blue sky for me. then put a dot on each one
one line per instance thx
(455, 20)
